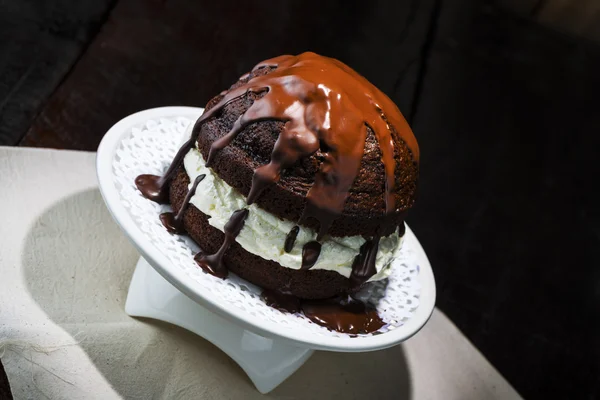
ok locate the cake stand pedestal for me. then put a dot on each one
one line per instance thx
(267, 362)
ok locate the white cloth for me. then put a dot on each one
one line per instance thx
(64, 272)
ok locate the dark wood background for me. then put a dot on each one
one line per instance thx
(506, 111)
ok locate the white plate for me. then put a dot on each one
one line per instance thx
(142, 231)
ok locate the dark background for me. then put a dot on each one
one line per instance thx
(504, 98)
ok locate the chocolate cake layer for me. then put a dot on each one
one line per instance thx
(364, 209)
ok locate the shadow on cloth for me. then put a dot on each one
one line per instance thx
(78, 265)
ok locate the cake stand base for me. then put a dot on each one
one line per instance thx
(267, 362)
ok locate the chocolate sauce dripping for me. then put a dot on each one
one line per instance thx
(151, 187)
(174, 223)
(321, 110)
(342, 314)
(340, 171)
(325, 217)
(280, 301)
(213, 263)
(325, 105)
(310, 254)
(363, 266)
(155, 187)
(290, 239)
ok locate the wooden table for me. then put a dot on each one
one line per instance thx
(505, 111)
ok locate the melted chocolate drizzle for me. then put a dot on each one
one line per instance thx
(280, 301)
(363, 266)
(310, 254)
(290, 239)
(213, 263)
(174, 223)
(325, 106)
(342, 314)
(152, 188)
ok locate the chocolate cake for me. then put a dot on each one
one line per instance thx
(298, 179)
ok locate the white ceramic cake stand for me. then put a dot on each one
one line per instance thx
(269, 352)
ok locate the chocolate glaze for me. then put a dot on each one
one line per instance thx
(326, 106)
(363, 266)
(342, 314)
(213, 263)
(282, 302)
(310, 254)
(174, 223)
(290, 239)
(156, 188)
(152, 188)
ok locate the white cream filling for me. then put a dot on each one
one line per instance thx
(264, 234)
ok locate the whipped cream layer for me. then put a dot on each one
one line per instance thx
(264, 234)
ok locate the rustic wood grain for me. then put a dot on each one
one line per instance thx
(508, 205)
(39, 42)
(182, 52)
